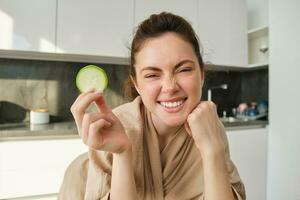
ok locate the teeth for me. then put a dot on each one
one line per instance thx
(171, 104)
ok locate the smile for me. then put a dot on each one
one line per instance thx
(171, 104)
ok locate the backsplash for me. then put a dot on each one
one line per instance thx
(36, 84)
(225, 99)
(48, 84)
(254, 85)
(246, 86)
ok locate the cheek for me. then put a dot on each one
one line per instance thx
(149, 90)
(193, 86)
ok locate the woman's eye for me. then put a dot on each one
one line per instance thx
(150, 76)
(186, 69)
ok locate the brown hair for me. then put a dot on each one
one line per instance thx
(155, 26)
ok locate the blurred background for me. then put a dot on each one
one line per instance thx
(250, 49)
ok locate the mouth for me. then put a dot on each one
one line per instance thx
(172, 106)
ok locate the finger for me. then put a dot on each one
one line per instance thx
(210, 107)
(187, 128)
(94, 139)
(82, 95)
(101, 104)
(74, 108)
(88, 119)
(86, 100)
(78, 109)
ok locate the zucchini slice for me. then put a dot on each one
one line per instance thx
(91, 77)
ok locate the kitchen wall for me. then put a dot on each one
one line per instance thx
(254, 85)
(36, 84)
(246, 86)
(47, 84)
(284, 129)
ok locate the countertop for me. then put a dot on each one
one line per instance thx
(251, 124)
(27, 131)
(65, 130)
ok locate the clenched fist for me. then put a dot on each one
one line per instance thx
(204, 126)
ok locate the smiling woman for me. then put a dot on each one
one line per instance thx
(165, 143)
(171, 89)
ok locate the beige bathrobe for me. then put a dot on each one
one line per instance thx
(175, 173)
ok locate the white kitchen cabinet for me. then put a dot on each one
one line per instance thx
(221, 26)
(27, 25)
(223, 32)
(188, 10)
(94, 27)
(258, 13)
(258, 47)
(258, 33)
(105, 28)
(35, 167)
(248, 150)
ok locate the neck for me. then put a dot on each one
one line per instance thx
(164, 131)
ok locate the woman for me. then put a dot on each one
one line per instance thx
(166, 143)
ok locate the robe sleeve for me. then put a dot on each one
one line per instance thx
(88, 177)
(235, 180)
(237, 185)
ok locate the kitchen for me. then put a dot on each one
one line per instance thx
(44, 44)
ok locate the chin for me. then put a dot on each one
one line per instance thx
(174, 121)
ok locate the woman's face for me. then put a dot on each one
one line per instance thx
(168, 78)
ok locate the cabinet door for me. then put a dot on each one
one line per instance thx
(248, 150)
(258, 13)
(27, 25)
(94, 27)
(188, 10)
(35, 167)
(223, 32)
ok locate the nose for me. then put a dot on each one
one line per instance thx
(169, 84)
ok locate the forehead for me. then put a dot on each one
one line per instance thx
(165, 50)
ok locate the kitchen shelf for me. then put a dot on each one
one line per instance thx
(258, 44)
(258, 65)
(258, 32)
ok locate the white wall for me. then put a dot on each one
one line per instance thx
(257, 13)
(284, 82)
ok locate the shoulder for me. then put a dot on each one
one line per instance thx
(130, 112)
(131, 115)
(78, 167)
(75, 178)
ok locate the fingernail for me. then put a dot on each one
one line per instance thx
(98, 92)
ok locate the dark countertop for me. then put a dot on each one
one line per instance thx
(65, 130)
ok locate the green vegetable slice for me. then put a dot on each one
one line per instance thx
(91, 77)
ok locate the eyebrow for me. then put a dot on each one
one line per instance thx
(158, 69)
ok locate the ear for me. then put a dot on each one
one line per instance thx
(203, 78)
(133, 80)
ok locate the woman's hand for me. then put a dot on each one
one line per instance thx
(205, 127)
(101, 130)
